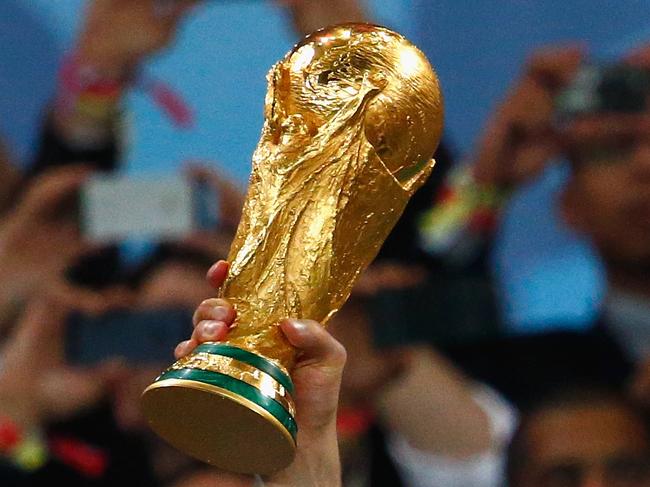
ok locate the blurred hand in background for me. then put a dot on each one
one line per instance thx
(116, 38)
(37, 386)
(519, 138)
(228, 203)
(9, 178)
(40, 239)
(230, 198)
(310, 15)
(119, 34)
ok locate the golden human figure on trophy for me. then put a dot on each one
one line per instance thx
(353, 115)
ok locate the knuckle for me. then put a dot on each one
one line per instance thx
(223, 302)
(339, 354)
(207, 303)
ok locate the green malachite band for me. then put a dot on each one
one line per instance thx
(238, 387)
(249, 358)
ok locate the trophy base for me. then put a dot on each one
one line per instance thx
(221, 406)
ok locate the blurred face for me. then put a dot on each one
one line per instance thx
(608, 198)
(586, 446)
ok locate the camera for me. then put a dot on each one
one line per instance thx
(600, 88)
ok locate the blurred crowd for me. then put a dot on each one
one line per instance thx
(436, 392)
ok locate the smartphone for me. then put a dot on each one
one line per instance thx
(447, 310)
(137, 337)
(599, 88)
(114, 208)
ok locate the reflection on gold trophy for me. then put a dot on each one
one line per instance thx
(353, 115)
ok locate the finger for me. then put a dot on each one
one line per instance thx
(113, 371)
(640, 383)
(82, 299)
(185, 348)
(126, 393)
(37, 334)
(163, 8)
(67, 240)
(210, 331)
(639, 57)
(607, 127)
(182, 7)
(555, 66)
(50, 189)
(216, 309)
(172, 12)
(316, 345)
(84, 388)
(532, 160)
(217, 273)
(206, 172)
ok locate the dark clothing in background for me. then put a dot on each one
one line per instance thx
(126, 459)
(402, 244)
(395, 320)
(455, 305)
(382, 469)
(457, 311)
(53, 151)
(527, 368)
(101, 268)
(126, 455)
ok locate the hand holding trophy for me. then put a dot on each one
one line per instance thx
(353, 115)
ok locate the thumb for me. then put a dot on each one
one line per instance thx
(317, 374)
(317, 347)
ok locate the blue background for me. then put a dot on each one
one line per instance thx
(545, 274)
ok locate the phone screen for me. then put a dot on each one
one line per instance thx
(446, 310)
(113, 208)
(139, 337)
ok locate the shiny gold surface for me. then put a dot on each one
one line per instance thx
(217, 426)
(236, 369)
(353, 116)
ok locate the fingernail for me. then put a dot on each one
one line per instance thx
(297, 325)
(211, 328)
(219, 313)
(181, 349)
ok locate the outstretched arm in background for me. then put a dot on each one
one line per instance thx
(308, 16)
(116, 38)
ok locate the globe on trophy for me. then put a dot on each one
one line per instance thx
(353, 116)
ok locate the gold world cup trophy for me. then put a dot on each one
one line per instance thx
(353, 115)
